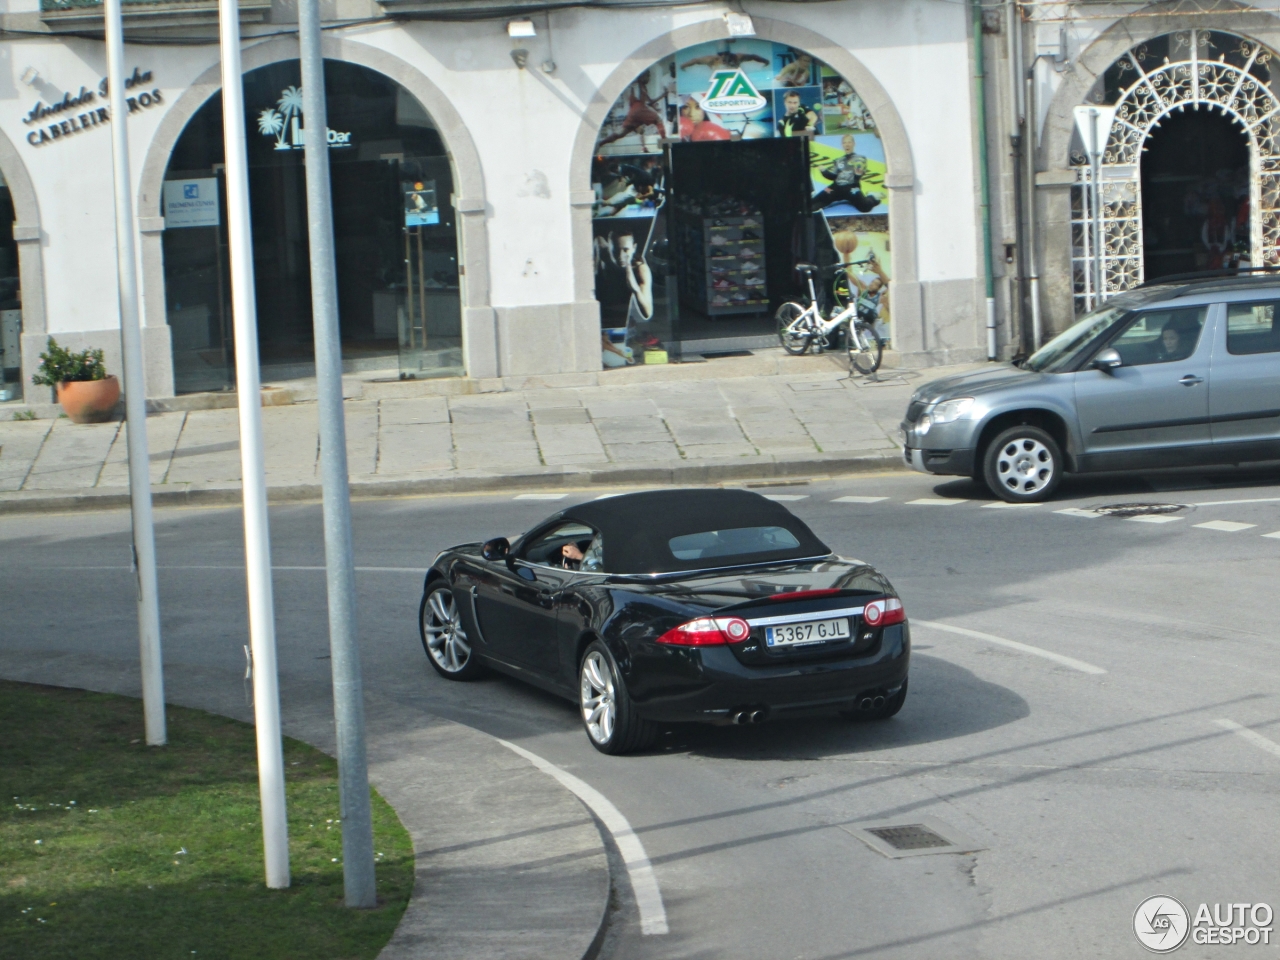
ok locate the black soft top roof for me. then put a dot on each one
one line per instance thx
(636, 527)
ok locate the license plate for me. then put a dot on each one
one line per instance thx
(812, 631)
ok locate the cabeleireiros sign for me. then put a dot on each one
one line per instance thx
(76, 118)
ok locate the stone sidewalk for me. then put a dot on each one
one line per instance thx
(809, 418)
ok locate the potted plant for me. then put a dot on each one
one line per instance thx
(85, 391)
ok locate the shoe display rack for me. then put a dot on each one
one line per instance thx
(722, 264)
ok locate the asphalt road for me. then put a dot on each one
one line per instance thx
(1089, 790)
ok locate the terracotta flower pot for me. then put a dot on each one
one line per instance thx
(89, 401)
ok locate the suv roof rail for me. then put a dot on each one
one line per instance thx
(1220, 274)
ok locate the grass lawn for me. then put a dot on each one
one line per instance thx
(111, 849)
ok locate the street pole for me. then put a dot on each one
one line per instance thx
(1095, 167)
(135, 392)
(348, 694)
(257, 537)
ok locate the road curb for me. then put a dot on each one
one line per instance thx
(669, 473)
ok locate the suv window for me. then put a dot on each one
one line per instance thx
(1251, 328)
(1160, 336)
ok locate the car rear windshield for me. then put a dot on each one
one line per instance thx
(739, 542)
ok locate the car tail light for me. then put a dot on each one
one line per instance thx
(806, 594)
(708, 632)
(883, 613)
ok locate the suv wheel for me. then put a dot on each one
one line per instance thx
(1023, 465)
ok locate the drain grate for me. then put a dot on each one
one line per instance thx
(928, 835)
(913, 836)
(1124, 511)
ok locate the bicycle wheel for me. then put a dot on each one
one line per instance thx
(865, 349)
(795, 337)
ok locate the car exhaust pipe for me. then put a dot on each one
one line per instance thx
(877, 703)
(865, 704)
(757, 716)
(741, 717)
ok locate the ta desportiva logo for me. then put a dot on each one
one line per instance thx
(284, 122)
(732, 92)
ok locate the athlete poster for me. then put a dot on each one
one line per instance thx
(733, 90)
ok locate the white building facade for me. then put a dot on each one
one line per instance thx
(566, 200)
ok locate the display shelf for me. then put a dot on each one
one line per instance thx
(722, 263)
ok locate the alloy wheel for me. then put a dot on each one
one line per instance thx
(1025, 465)
(442, 628)
(599, 706)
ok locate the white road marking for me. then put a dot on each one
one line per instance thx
(1071, 662)
(1077, 512)
(417, 571)
(1153, 518)
(858, 499)
(1001, 505)
(540, 496)
(1227, 503)
(1275, 536)
(1257, 739)
(785, 496)
(644, 884)
(1226, 526)
(934, 502)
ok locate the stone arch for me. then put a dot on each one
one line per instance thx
(1151, 97)
(27, 235)
(893, 135)
(473, 253)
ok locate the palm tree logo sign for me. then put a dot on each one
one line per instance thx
(282, 120)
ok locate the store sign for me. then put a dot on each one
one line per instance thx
(191, 203)
(284, 122)
(81, 112)
(732, 92)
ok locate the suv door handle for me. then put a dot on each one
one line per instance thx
(1190, 380)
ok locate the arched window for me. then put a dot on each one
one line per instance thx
(717, 170)
(395, 235)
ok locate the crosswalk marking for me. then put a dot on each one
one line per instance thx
(785, 496)
(541, 496)
(1001, 505)
(1274, 536)
(1226, 526)
(858, 499)
(1154, 518)
(933, 502)
(1077, 512)
(1257, 739)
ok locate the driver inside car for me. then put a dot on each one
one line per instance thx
(573, 557)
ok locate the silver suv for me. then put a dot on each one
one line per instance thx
(1169, 375)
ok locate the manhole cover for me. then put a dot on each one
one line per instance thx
(913, 836)
(928, 835)
(1126, 510)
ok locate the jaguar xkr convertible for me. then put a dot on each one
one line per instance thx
(716, 606)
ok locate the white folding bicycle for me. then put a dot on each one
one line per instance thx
(801, 327)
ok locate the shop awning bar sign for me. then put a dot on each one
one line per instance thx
(732, 92)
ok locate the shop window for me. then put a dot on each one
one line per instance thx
(394, 231)
(718, 170)
(10, 303)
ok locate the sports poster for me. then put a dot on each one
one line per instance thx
(734, 90)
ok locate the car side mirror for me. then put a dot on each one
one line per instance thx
(1107, 360)
(496, 549)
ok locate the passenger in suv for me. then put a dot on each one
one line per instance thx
(1168, 375)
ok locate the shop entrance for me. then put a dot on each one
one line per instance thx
(10, 303)
(717, 170)
(395, 241)
(1195, 195)
(738, 217)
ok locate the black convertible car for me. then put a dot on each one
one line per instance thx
(717, 606)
